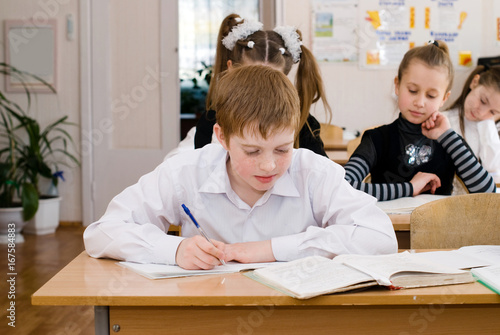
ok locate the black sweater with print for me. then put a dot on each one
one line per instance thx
(394, 153)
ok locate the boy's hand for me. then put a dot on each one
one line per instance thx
(435, 126)
(423, 182)
(250, 252)
(196, 253)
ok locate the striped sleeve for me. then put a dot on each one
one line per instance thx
(357, 168)
(472, 173)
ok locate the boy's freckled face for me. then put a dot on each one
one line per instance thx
(256, 163)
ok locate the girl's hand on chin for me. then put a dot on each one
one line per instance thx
(435, 126)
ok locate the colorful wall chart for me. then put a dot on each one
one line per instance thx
(377, 33)
(389, 28)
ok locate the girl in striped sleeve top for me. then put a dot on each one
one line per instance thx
(419, 152)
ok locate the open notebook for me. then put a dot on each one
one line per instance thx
(406, 205)
(159, 271)
(312, 276)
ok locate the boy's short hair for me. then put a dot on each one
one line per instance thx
(255, 96)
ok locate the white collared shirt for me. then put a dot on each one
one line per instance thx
(311, 210)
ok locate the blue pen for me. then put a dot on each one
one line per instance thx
(202, 232)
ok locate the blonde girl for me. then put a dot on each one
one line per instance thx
(419, 152)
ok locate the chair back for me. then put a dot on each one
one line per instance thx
(353, 144)
(330, 132)
(456, 221)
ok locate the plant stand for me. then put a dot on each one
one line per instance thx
(46, 219)
(9, 216)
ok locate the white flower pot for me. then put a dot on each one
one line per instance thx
(11, 216)
(46, 219)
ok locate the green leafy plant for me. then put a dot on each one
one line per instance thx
(193, 97)
(27, 151)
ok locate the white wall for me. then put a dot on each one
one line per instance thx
(49, 107)
(363, 98)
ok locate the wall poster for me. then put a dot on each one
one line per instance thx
(389, 28)
(334, 30)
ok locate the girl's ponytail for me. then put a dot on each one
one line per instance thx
(222, 54)
(310, 85)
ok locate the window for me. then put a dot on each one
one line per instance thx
(199, 22)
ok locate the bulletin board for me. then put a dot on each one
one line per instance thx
(31, 47)
(386, 29)
(334, 30)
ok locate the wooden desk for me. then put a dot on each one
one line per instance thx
(335, 144)
(338, 156)
(401, 223)
(234, 304)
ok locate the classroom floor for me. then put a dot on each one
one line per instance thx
(36, 261)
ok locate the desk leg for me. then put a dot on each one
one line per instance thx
(101, 320)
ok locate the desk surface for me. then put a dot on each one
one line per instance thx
(401, 222)
(338, 156)
(335, 144)
(89, 281)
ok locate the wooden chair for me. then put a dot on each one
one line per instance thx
(353, 144)
(456, 221)
(174, 230)
(331, 132)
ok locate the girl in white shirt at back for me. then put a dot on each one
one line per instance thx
(474, 113)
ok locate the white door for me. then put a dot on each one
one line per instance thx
(130, 94)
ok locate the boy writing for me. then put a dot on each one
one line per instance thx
(259, 199)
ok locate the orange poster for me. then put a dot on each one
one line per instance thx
(427, 17)
(412, 17)
(498, 28)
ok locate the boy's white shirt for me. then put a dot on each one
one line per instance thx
(482, 137)
(311, 210)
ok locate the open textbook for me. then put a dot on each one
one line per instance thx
(406, 205)
(160, 271)
(315, 275)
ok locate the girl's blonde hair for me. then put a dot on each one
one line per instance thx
(269, 48)
(434, 54)
(489, 76)
(255, 97)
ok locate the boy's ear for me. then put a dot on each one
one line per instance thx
(220, 135)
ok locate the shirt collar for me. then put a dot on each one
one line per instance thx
(218, 180)
(408, 127)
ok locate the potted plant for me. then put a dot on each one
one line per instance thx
(194, 87)
(27, 153)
